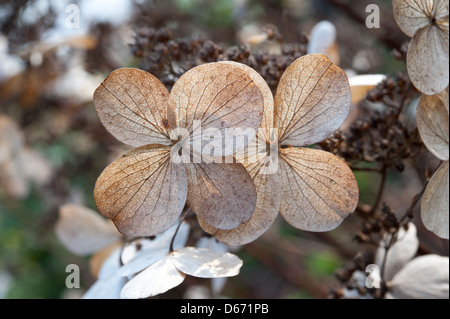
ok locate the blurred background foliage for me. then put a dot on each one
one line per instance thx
(48, 73)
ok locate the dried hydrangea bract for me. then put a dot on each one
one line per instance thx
(267, 186)
(156, 279)
(82, 231)
(142, 192)
(400, 253)
(265, 213)
(322, 39)
(312, 100)
(219, 96)
(206, 263)
(433, 126)
(132, 105)
(426, 21)
(145, 191)
(160, 264)
(424, 277)
(432, 123)
(407, 276)
(319, 190)
(314, 190)
(434, 206)
(108, 285)
(215, 184)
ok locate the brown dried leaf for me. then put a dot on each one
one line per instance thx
(132, 105)
(268, 199)
(432, 123)
(312, 100)
(108, 284)
(219, 96)
(434, 206)
(223, 195)
(83, 231)
(143, 192)
(256, 161)
(318, 189)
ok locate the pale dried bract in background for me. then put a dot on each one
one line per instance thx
(145, 191)
(426, 21)
(433, 126)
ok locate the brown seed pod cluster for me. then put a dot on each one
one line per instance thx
(168, 57)
(349, 281)
(385, 222)
(380, 136)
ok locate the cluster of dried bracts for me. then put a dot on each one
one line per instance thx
(145, 191)
(427, 62)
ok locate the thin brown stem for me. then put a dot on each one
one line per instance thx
(408, 215)
(182, 217)
(402, 222)
(380, 191)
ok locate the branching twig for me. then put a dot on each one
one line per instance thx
(408, 215)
